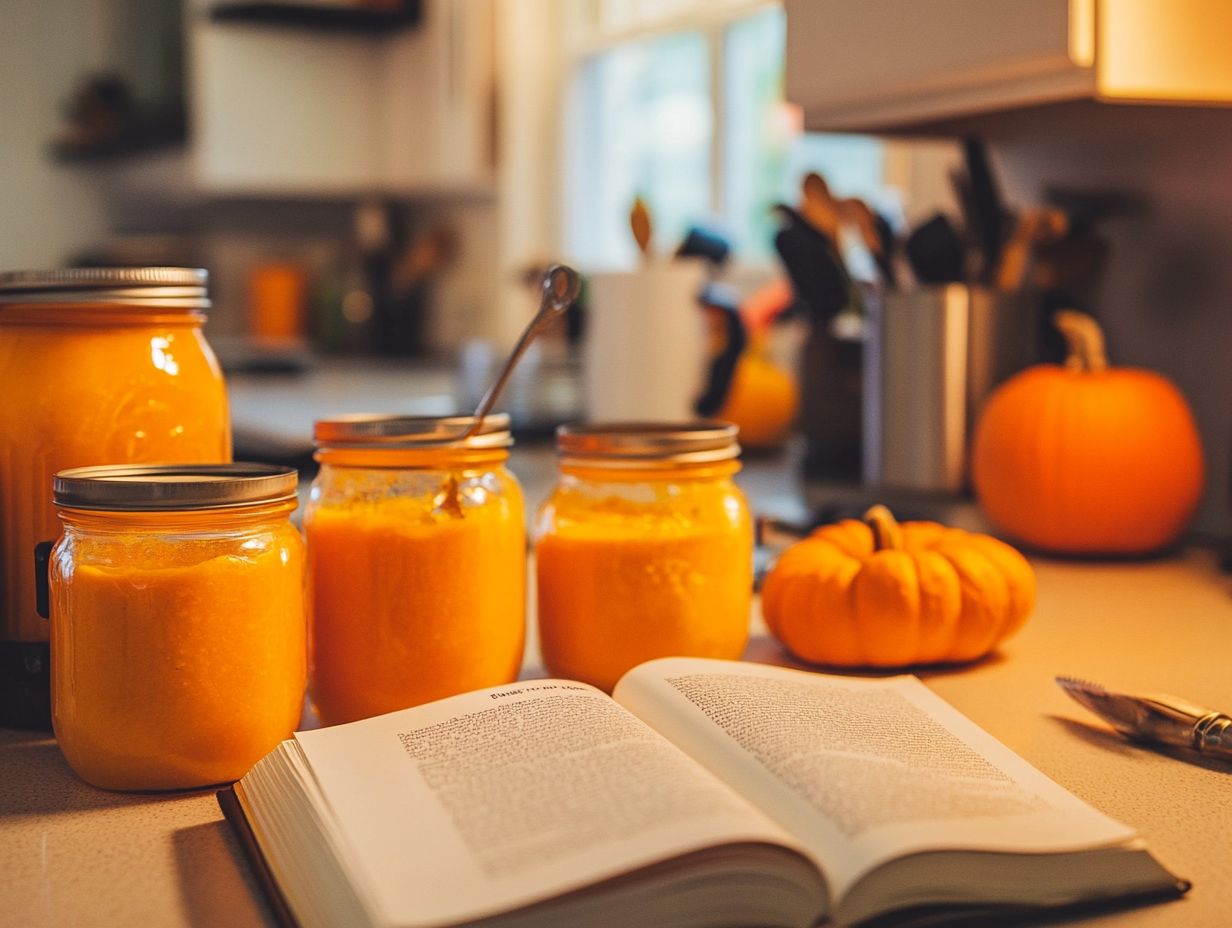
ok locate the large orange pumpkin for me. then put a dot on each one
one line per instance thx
(1086, 458)
(876, 593)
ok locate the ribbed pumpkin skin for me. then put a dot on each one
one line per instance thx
(1088, 462)
(945, 596)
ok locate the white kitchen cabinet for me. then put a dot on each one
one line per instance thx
(282, 111)
(891, 65)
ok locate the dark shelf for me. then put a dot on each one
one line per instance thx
(137, 134)
(354, 20)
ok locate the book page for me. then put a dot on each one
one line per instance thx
(859, 770)
(491, 800)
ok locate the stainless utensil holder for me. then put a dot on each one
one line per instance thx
(931, 358)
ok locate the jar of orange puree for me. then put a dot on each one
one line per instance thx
(644, 549)
(178, 635)
(417, 556)
(97, 366)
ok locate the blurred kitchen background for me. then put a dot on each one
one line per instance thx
(372, 183)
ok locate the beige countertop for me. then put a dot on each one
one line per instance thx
(71, 855)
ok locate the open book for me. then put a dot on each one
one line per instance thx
(703, 793)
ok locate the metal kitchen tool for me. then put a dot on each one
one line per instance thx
(561, 285)
(1155, 718)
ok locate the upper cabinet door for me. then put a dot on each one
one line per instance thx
(893, 64)
(277, 110)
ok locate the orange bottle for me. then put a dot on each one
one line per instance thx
(97, 366)
(178, 630)
(644, 549)
(417, 559)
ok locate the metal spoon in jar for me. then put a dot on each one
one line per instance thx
(561, 285)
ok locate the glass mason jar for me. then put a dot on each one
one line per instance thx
(417, 555)
(178, 628)
(643, 550)
(97, 366)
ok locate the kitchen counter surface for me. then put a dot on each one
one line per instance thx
(71, 855)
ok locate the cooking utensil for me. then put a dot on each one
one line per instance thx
(819, 208)
(817, 275)
(985, 210)
(641, 225)
(700, 242)
(1156, 718)
(935, 252)
(859, 214)
(885, 255)
(561, 285)
(1037, 226)
(720, 300)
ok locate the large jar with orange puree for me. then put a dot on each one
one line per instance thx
(644, 549)
(178, 630)
(97, 366)
(417, 551)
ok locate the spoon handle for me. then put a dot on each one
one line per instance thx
(560, 288)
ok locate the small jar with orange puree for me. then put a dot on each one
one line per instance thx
(417, 551)
(178, 629)
(644, 549)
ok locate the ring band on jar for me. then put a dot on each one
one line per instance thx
(644, 549)
(417, 555)
(178, 627)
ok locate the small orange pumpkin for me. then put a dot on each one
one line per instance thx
(876, 593)
(1087, 458)
(763, 399)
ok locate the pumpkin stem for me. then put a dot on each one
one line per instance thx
(1085, 340)
(887, 536)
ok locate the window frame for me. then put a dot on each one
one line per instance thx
(587, 37)
(916, 168)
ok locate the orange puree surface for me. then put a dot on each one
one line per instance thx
(182, 674)
(412, 604)
(623, 582)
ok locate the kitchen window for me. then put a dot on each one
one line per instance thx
(681, 103)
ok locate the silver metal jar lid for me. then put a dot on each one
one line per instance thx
(173, 487)
(159, 287)
(647, 444)
(376, 431)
